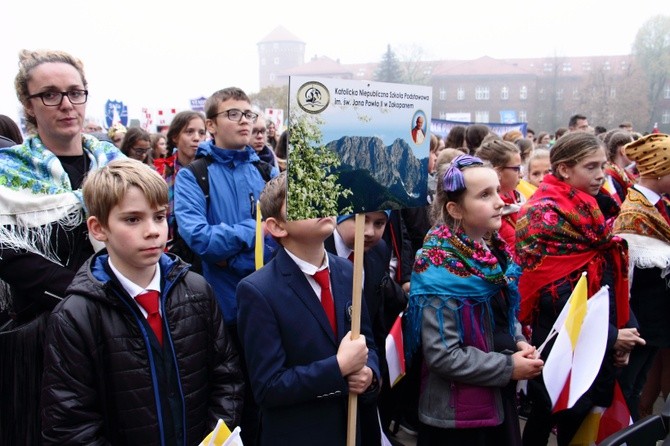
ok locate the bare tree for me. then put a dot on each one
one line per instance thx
(271, 97)
(652, 52)
(416, 70)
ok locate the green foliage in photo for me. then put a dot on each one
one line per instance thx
(313, 190)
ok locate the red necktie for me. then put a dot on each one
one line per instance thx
(323, 279)
(149, 301)
(660, 205)
(351, 257)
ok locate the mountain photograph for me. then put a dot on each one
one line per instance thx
(380, 177)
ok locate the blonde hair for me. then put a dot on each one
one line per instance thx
(106, 187)
(537, 155)
(31, 59)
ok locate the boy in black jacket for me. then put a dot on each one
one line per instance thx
(137, 353)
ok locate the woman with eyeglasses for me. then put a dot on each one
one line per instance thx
(505, 158)
(137, 145)
(43, 234)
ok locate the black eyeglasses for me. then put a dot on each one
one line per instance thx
(55, 98)
(236, 115)
(255, 132)
(139, 151)
(517, 169)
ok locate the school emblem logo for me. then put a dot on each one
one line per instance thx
(313, 97)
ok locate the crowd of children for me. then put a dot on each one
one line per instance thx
(140, 349)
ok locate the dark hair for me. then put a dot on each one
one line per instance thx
(615, 141)
(455, 137)
(560, 132)
(155, 138)
(133, 135)
(474, 135)
(9, 129)
(540, 136)
(525, 146)
(573, 120)
(281, 150)
(212, 103)
(178, 123)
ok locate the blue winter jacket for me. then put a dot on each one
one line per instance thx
(223, 234)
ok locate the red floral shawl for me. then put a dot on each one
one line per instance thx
(561, 232)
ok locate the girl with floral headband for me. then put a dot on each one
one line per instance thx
(462, 313)
(562, 231)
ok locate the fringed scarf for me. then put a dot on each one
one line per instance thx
(561, 232)
(645, 230)
(453, 267)
(35, 194)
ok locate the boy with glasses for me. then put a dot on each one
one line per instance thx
(221, 228)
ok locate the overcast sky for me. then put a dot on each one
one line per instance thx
(159, 54)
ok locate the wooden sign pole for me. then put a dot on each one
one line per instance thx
(356, 299)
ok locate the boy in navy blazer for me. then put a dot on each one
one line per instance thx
(301, 370)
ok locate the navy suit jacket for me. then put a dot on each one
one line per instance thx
(290, 351)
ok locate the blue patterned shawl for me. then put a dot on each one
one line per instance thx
(35, 194)
(451, 267)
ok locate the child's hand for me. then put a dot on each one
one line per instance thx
(352, 355)
(524, 367)
(528, 350)
(360, 381)
(627, 338)
(621, 358)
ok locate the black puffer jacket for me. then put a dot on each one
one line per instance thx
(99, 377)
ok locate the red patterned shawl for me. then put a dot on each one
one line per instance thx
(561, 232)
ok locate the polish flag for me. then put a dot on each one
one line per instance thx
(395, 352)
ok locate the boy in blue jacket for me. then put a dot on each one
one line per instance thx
(137, 354)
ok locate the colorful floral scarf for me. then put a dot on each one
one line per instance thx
(453, 267)
(645, 230)
(561, 232)
(619, 176)
(35, 193)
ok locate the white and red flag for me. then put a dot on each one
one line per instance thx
(395, 353)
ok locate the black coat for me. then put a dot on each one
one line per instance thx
(100, 381)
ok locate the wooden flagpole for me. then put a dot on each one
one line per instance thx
(356, 298)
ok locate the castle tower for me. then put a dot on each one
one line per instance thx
(277, 52)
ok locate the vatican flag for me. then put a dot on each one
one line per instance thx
(575, 359)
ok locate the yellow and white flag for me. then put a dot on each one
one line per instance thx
(221, 436)
(575, 359)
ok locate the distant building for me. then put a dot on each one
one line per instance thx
(544, 92)
(277, 52)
